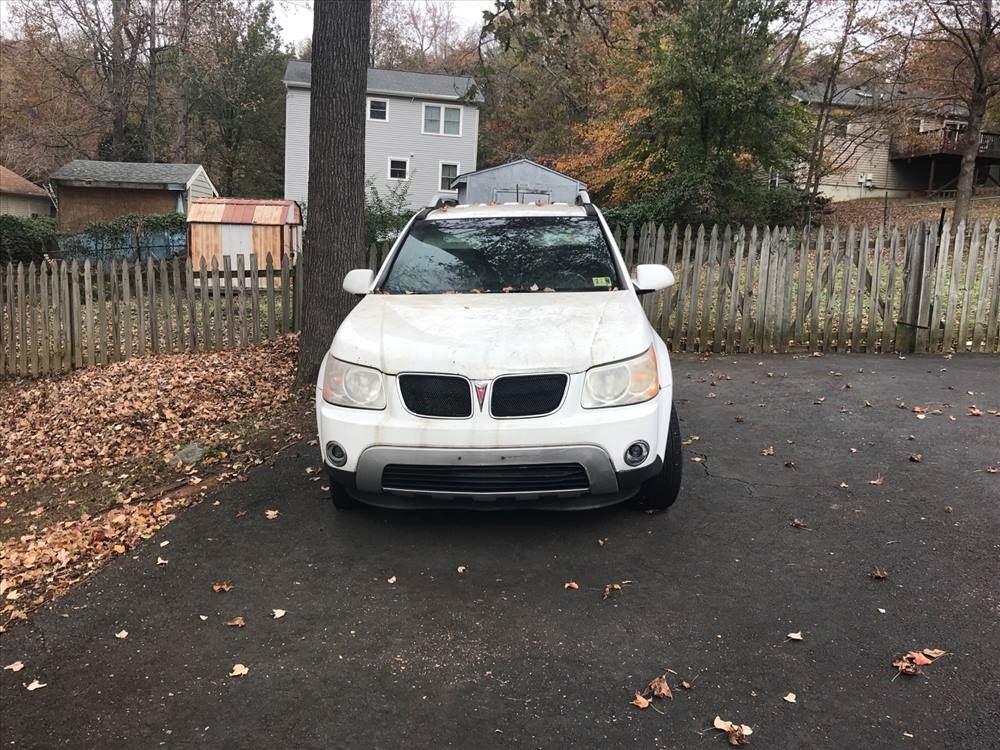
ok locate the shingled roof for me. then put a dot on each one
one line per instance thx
(13, 184)
(132, 173)
(298, 74)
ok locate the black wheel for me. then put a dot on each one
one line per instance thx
(660, 492)
(341, 500)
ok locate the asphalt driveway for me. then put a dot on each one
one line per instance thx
(502, 655)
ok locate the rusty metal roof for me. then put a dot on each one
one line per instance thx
(244, 211)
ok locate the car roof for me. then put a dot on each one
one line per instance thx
(499, 210)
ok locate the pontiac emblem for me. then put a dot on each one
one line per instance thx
(481, 386)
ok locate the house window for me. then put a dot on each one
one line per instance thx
(378, 109)
(441, 120)
(399, 169)
(449, 171)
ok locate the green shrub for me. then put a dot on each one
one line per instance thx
(27, 239)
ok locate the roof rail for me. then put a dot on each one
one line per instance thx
(583, 198)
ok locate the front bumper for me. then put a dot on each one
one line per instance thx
(605, 486)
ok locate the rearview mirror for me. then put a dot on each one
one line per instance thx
(651, 277)
(359, 281)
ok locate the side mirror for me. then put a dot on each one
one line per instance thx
(359, 281)
(651, 277)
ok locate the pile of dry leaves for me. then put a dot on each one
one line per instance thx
(95, 418)
(67, 439)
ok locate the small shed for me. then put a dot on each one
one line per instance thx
(521, 181)
(92, 191)
(228, 227)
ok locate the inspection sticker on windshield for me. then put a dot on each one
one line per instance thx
(601, 281)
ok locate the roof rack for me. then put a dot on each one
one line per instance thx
(583, 198)
(439, 201)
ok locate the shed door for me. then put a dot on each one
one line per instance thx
(237, 239)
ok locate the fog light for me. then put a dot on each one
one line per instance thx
(336, 454)
(636, 453)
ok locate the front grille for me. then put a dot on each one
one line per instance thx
(436, 395)
(489, 480)
(526, 395)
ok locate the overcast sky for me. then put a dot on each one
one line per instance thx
(295, 16)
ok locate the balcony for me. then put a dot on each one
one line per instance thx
(947, 142)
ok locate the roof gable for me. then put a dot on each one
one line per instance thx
(13, 184)
(298, 74)
(464, 175)
(132, 173)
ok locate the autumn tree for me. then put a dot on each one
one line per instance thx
(965, 33)
(335, 240)
(239, 100)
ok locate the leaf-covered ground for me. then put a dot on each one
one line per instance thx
(83, 457)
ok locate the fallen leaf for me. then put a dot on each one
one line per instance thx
(461, 569)
(934, 653)
(739, 419)
(236, 622)
(119, 549)
(975, 411)
(877, 481)
(278, 613)
(686, 685)
(881, 611)
(919, 410)
(602, 541)
(165, 542)
(571, 585)
(690, 439)
(921, 416)
(916, 457)
(222, 586)
(790, 698)
(738, 733)
(202, 617)
(35, 684)
(640, 701)
(16, 666)
(121, 635)
(271, 514)
(918, 658)
(992, 469)
(391, 580)
(948, 509)
(844, 485)
(879, 574)
(697, 459)
(799, 523)
(659, 688)
(161, 561)
(239, 670)
(797, 636)
(853, 450)
(240, 513)
(768, 451)
(790, 464)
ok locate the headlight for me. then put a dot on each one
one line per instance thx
(345, 384)
(630, 382)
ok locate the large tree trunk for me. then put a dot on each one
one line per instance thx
(119, 102)
(150, 115)
(980, 56)
(183, 84)
(334, 240)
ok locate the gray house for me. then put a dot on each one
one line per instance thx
(421, 131)
(521, 181)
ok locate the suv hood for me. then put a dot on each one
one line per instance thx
(482, 336)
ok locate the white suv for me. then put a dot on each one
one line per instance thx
(500, 358)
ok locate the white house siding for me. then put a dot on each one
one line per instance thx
(24, 205)
(400, 136)
(201, 187)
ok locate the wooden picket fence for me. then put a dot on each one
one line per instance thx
(59, 315)
(914, 289)
(770, 289)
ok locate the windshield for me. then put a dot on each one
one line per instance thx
(512, 254)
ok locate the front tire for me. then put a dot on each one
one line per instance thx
(660, 492)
